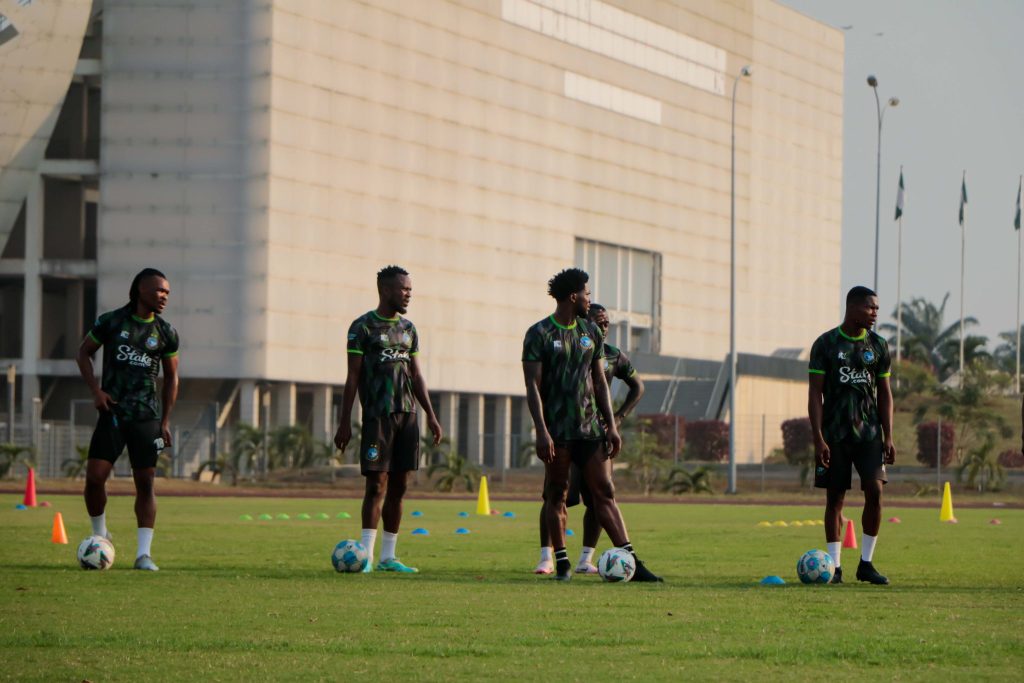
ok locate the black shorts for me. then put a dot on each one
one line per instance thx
(867, 457)
(578, 489)
(581, 451)
(144, 441)
(390, 443)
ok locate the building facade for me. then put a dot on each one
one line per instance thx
(270, 156)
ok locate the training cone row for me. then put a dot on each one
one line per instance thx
(946, 513)
(59, 535)
(30, 490)
(483, 501)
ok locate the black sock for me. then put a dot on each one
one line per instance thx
(628, 547)
(562, 565)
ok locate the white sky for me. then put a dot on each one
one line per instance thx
(958, 70)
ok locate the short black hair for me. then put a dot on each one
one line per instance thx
(389, 272)
(595, 309)
(133, 291)
(858, 294)
(567, 282)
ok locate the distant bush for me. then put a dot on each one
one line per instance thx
(707, 440)
(665, 430)
(1011, 459)
(798, 440)
(927, 442)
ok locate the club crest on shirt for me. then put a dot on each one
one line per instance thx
(124, 334)
(406, 338)
(586, 342)
(868, 356)
(152, 343)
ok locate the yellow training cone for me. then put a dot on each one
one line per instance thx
(946, 514)
(483, 502)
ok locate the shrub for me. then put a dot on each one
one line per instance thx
(663, 427)
(1011, 458)
(797, 440)
(707, 440)
(927, 443)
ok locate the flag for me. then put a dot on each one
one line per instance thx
(963, 198)
(1016, 219)
(899, 198)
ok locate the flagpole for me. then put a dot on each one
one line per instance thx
(963, 267)
(899, 281)
(1020, 181)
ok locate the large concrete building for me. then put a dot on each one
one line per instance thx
(271, 155)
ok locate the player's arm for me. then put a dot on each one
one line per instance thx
(636, 390)
(348, 399)
(169, 394)
(532, 371)
(604, 404)
(885, 416)
(86, 350)
(419, 389)
(815, 411)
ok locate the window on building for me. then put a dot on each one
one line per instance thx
(625, 281)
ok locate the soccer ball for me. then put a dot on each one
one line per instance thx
(815, 566)
(349, 556)
(95, 552)
(616, 564)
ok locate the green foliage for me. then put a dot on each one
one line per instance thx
(13, 454)
(291, 447)
(971, 408)
(75, 467)
(982, 467)
(683, 480)
(455, 469)
(644, 454)
(928, 341)
(914, 378)
(246, 448)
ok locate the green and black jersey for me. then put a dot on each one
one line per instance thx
(616, 364)
(852, 367)
(566, 387)
(387, 346)
(132, 350)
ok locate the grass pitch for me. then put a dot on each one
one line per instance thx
(251, 600)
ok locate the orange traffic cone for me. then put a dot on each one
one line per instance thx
(59, 535)
(30, 489)
(850, 537)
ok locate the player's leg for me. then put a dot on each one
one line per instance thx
(144, 445)
(836, 480)
(373, 500)
(556, 485)
(591, 527)
(104, 448)
(871, 468)
(597, 472)
(547, 562)
(402, 456)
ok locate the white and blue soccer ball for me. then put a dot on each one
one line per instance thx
(815, 566)
(349, 556)
(616, 565)
(96, 552)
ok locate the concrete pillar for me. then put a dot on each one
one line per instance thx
(473, 449)
(32, 310)
(74, 308)
(323, 427)
(503, 432)
(249, 402)
(285, 398)
(448, 415)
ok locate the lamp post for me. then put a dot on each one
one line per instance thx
(745, 71)
(893, 101)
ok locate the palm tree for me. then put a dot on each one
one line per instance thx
(1006, 353)
(455, 468)
(246, 447)
(925, 337)
(982, 467)
(11, 454)
(682, 480)
(434, 454)
(75, 467)
(291, 447)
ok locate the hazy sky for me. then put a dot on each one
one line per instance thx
(958, 70)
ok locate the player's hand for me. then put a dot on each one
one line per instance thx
(613, 442)
(889, 449)
(343, 435)
(165, 432)
(545, 447)
(822, 455)
(103, 402)
(435, 429)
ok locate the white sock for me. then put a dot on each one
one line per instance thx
(586, 556)
(99, 524)
(867, 544)
(834, 549)
(369, 538)
(145, 541)
(546, 553)
(387, 546)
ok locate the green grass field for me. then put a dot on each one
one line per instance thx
(240, 600)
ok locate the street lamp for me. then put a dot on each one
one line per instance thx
(745, 71)
(893, 101)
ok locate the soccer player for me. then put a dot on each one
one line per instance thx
(850, 406)
(616, 365)
(568, 396)
(136, 343)
(383, 349)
